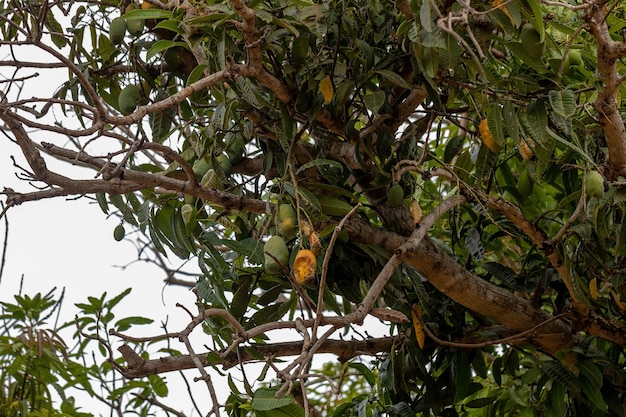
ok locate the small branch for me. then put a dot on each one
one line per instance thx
(570, 222)
(510, 339)
(152, 400)
(327, 255)
(539, 238)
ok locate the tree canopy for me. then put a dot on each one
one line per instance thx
(455, 169)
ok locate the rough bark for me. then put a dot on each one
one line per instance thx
(343, 349)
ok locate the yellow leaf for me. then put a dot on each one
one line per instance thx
(326, 88)
(500, 4)
(387, 314)
(620, 304)
(416, 211)
(416, 314)
(593, 288)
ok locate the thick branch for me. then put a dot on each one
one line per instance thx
(480, 296)
(606, 104)
(343, 349)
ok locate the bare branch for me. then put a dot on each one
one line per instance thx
(343, 349)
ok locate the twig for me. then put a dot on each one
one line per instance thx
(569, 223)
(514, 338)
(327, 255)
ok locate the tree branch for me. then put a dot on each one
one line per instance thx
(343, 349)
(606, 103)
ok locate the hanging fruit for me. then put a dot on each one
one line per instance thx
(487, 137)
(595, 184)
(276, 255)
(395, 195)
(304, 267)
(287, 220)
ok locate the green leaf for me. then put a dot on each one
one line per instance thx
(320, 162)
(453, 147)
(101, 198)
(153, 13)
(249, 247)
(332, 206)
(531, 9)
(285, 25)
(462, 373)
(592, 373)
(512, 124)
(159, 386)
(485, 162)
(117, 299)
(171, 25)
(306, 197)
(450, 55)
(365, 371)
(162, 46)
(394, 78)
(593, 393)
(558, 372)
(495, 121)
(563, 102)
(125, 323)
(265, 399)
(160, 124)
(375, 100)
(239, 303)
(480, 402)
(537, 119)
(502, 273)
(558, 400)
(426, 17)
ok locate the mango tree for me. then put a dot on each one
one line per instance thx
(453, 169)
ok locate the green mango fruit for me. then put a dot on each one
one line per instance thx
(531, 41)
(119, 232)
(287, 220)
(277, 248)
(595, 184)
(395, 195)
(129, 99)
(574, 57)
(225, 163)
(135, 26)
(117, 30)
(573, 63)
(525, 184)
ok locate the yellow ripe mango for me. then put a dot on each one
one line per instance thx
(487, 137)
(304, 267)
(326, 88)
(525, 150)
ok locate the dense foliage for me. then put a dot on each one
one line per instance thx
(454, 169)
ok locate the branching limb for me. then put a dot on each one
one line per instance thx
(343, 349)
